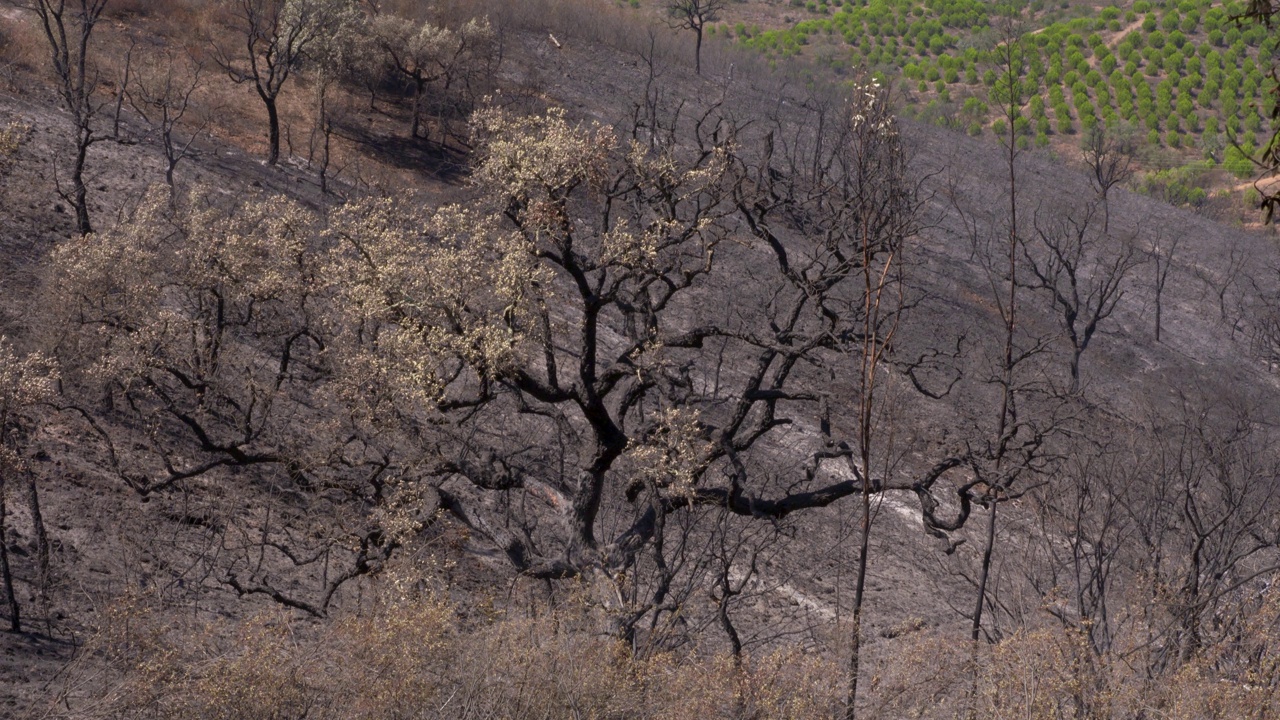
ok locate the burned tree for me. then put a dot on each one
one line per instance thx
(161, 93)
(26, 381)
(694, 15)
(212, 367)
(68, 28)
(1161, 254)
(1012, 435)
(833, 202)
(1203, 518)
(434, 60)
(558, 351)
(546, 364)
(1083, 271)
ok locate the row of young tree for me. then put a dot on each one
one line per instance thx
(633, 362)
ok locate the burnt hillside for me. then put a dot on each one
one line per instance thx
(541, 376)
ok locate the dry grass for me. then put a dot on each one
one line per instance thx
(21, 45)
(409, 655)
(412, 655)
(607, 24)
(1052, 673)
(240, 119)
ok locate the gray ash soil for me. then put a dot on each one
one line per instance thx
(109, 542)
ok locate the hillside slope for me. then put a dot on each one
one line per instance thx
(115, 547)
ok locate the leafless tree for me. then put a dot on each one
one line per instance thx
(694, 15)
(840, 174)
(161, 93)
(1162, 252)
(1204, 521)
(845, 180)
(1014, 438)
(1083, 271)
(122, 88)
(735, 558)
(6, 571)
(1086, 534)
(333, 58)
(68, 27)
(1221, 281)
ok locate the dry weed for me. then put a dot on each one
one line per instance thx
(409, 655)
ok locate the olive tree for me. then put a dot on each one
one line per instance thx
(552, 340)
(193, 345)
(273, 38)
(556, 363)
(434, 59)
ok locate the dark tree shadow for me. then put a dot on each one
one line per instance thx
(428, 158)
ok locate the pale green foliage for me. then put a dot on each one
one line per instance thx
(416, 48)
(427, 49)
(11, 138)
(314, 18)
(196, 318)
(476, 32)
(442, 64)
(672, 454)
(25, 381)
(339, 45)
(540, 159)
(281, 33)
(536, 163)
(275, 38)
(427, 293)
(151, 282)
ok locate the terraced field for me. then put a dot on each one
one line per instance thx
(1187, 83)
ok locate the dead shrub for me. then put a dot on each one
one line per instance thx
(1053, 673)
(410, 655)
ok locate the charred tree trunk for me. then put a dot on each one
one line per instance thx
(985, 571)
(859, 595)
(79, 192)
(6, 573)
(273, 133)
(42, 543)
(722, 614)
(697, 53)
(419, 87)
(1076, 352)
